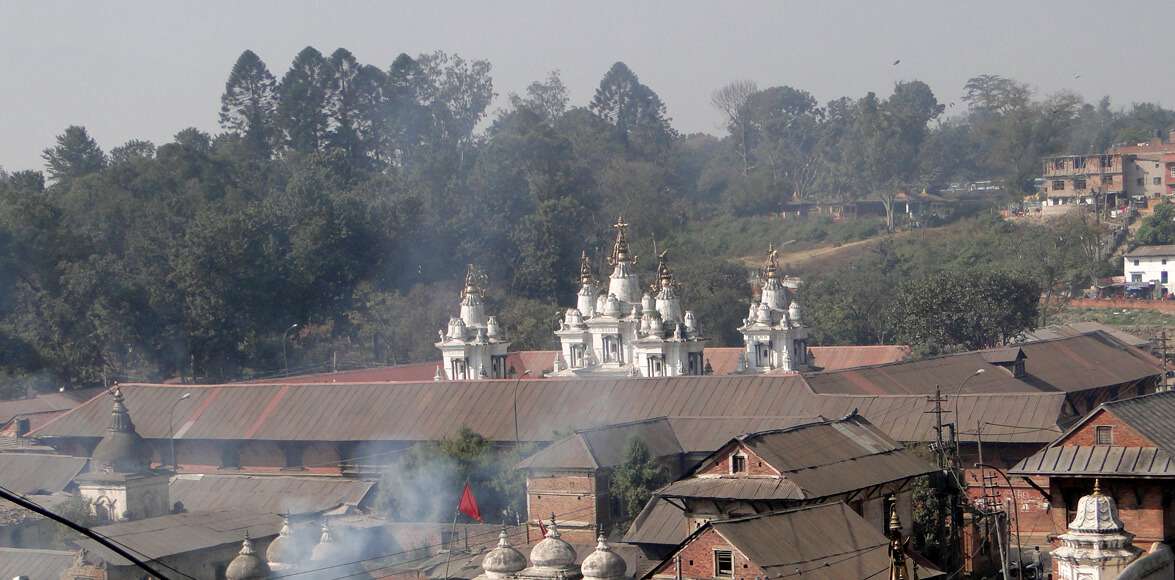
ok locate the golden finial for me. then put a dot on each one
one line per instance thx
(585, 270)
(620, 247)
(1097, 486)
(475, 282)
(664, 274)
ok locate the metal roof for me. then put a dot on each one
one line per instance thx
(1055, 331)
(174, 534)
(1153, 416)
(659, 522)
(1098, 461)
(34, 564)
(433, 410)
(267, 494)
(1066, 364)
(39, 473)
(815, 460)
(823, 542)
(47, 403)
(1151, 251)
(664, 436)
(724, 359)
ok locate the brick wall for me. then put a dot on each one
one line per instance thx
(697, 559)
(573, 498)
(1124, 435)
(755, 464)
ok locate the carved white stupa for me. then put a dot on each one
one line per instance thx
(473, 345)
(774, 335)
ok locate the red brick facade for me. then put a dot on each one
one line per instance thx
(579, 502)
(1123, 435)
(698, 561)
(755, 464)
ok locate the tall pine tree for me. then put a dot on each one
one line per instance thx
(249, 103)
(634, 110)
(302, 102)
(76, 154)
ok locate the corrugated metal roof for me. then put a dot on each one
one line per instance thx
(35, 564)
(1151, 415)
(1065, 364)
(267, 494)
(823, 542)
(1150, 251)
(39, 473)
(1099, 461)
(660, 523)
(45, 403)
(1055, 331)
(814, 460)
(433, 410)
(182, 533)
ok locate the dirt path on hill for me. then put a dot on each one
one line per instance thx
(801, 258)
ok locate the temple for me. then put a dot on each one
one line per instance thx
(473, 346)
(623, 332)
(774, 335)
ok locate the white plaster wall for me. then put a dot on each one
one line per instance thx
(1151, 269)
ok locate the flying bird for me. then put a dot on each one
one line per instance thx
(1076, 75)
(897, 62)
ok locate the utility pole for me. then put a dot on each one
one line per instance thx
(1163, 341)
(939, 447)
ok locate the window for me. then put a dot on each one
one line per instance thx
(1140, 181)
(1059, 164)
(458, 368)
(695, 363)
(723, 563)
(1163, 277)
(1164, 261)
(656, 366)
(1107, 161)
(1078, 163)
(293, 455)
(1108, 179)
(1058, 185)
(738, 463)
(498, 366)
(1136, 262)
(1078, 184)
(1136, 276)
(576, 356)
(1104, 434)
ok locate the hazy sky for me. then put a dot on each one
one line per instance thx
(148, 69)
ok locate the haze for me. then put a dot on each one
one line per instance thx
(148, 69)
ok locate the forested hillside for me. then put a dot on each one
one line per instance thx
(347, 198)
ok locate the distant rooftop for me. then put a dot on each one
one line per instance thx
(1152, 251)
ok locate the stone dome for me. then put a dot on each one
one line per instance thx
(121, 449)
(326, 550)
(504, 559)
(247, 565)
(647, 302)
(603, 563)
(552, 551)
(1096, 513)
(793, 312)
(612, 306)
(281, 550)
(763, 313)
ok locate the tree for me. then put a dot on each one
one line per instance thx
(1158, 228)
(966, 310)
(302, 103)
(135, 149)
(635, 112)
(343, 102)
(634, 480)
(732, 100)
(249, 104)
(789, 123)
(461, 91)
(547, 98)
(75, 155)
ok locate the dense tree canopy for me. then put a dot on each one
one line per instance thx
(347, 198)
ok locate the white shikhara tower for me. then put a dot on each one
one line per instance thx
(773, 332)
(622, 332)
(473, 346)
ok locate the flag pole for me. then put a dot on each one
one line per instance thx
(453, 533)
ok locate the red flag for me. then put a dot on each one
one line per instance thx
(542, 528)
(468, 505)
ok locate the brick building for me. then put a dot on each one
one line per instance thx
(822, 542)
(844, 460)
(1088, 179)
(1129, 446)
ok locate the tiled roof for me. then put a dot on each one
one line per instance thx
(659, 523)
(174, 534)
(1152, 415)
(1078, 328)
(1151, 251)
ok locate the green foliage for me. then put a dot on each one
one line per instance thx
(968, 310)
(932, 510)
(1159, 227)
(634, 481)
(75, 155)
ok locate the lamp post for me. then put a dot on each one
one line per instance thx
(285, 361)
(1016, 509)
(958, 392)
(517, 381)
(171, 428)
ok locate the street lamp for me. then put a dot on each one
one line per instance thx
(958, 422)
(517, 381)
(171, 428)
(285, 361)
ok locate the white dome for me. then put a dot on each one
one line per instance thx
(552, 551)
(1096, 513)
(603, 563)
(247, 565)
(793, 312)
(281, 550)
(503, 559)
(647, 302)
(612, 306)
